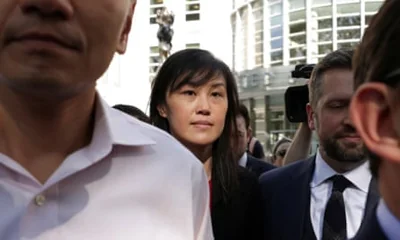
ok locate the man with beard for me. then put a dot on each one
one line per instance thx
(326, 196)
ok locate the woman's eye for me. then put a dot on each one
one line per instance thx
(188, 92)
(216, 94)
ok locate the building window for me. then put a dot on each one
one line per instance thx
(321, 2)
(276, 32)
(323, 15)
(296, 62)
(154, 61)
(325, 23)
(324, 49)
(370, 10)
(192, 10)
(348, 21)
(244, 30)
(276, 56)
(297, 39)
(349, 45)
(349, 34)
(193, 46)
(325, 36)
(155, 5)
(297, 4)
(298, 52)
(258, 13)
(234, 46)
(276, 44)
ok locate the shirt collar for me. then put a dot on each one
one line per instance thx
(389, 223)
(117, 123)
(110, 129)
(360, 177)
(243, 160)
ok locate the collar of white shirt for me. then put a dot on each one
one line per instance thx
(106, 135)
(360, 176)
(131, 179)
(243, 160)
(389, 223)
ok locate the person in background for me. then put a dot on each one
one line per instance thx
(253, 164)
(133, 111)
(279, 151)
(254, 147)
(195, 99)
(375, 110)
(300, 146)
(327, 195)
(71, 167)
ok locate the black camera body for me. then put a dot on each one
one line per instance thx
(296, 97)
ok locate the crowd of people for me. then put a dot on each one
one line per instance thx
(72, 167)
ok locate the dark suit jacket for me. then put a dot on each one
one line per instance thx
(286, 192)
(371, 229)
(239, 218)
(258, 166)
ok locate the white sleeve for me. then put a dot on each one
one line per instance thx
(201, 207)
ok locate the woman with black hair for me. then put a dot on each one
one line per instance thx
(194, 98)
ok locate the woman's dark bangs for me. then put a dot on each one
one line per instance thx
(197, 76)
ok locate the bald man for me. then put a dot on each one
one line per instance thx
(71, 167)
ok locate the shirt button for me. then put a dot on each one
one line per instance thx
(40, 200)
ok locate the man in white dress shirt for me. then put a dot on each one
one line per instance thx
(326, 196)
(375, 110)
(70, 166)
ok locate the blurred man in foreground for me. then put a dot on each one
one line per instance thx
(71, 166)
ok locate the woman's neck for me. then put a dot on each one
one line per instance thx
(204, 154)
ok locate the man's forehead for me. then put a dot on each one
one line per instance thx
(337, 80)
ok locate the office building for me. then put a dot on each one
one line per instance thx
(269, 37)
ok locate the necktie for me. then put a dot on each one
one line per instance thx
(334, 227)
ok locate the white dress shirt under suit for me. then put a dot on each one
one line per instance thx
(355, 197)
(243, 160)
(132, 181)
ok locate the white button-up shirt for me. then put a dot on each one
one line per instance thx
(243, 160)
(355, 197)
(132, 181)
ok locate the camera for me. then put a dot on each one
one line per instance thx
(303, 71)
(296, 97)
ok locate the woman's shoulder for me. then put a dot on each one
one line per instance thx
(247, 177)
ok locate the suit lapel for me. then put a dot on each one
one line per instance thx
(249, 166)
(298, 192)
(372, 198)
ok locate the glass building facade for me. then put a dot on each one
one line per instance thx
(271, 36)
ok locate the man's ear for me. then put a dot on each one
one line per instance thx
(162, 110)
(372, 113)
(248, 134)
(310, 117)
(123, 41)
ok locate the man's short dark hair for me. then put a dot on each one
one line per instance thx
(133, 111)
(245, 114)
(377, 58)
(339, 59)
